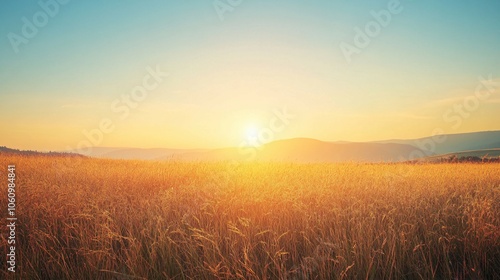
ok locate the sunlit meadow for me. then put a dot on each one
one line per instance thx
(115, 219)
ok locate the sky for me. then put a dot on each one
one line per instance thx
(207, 74)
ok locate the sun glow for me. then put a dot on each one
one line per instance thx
(252, 135)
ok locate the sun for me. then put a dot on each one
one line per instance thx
(252, 135)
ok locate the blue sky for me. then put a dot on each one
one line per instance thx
(228, 75)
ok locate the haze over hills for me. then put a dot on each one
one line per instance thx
(305, 150)
(486, 143)
(311, 150)
(135, 153)
(453, 142)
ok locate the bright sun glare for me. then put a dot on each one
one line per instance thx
(252, 134)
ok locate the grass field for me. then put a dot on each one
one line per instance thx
(111, 219)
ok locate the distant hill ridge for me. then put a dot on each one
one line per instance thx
(454, 143)
(311, 150)
(9, 151)
(295, 150)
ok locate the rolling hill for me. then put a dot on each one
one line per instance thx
(454, 142)
(306, 150)
(312, 150)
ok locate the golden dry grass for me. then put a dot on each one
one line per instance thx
(110, 219)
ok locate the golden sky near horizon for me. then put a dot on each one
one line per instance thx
(180, 76)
